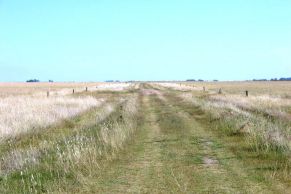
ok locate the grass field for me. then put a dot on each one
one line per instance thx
(145, 137)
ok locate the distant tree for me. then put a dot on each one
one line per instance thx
(32, 80)
(260, 80)
(215, 80)
(51, 80)
(201, 80)
(285, 79)
(190, 80)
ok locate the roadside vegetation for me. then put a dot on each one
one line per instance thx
(259, 127)
(61, 157)
(21, 114)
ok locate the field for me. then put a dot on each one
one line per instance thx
(152, 137)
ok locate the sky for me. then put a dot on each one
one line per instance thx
(98, 40)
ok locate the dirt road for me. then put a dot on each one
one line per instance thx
(175, 152)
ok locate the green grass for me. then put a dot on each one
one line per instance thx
(168, 156)
(270, 167)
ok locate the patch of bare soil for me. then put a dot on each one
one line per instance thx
(207, 161)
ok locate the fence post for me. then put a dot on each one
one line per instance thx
(73, 91)
(220, 91)
(247, 93)
(86, 89)
(203, 88)
(47, 94)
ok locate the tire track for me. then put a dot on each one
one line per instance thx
(174, 153)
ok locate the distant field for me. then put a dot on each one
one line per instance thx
(164, 137)
(26, 105)
(272, 88)
(58, 88)
(8, 89)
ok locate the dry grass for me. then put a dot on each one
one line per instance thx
(12, 88)
(113, 86)
(58, 88)
(273, 106)
(177, 86)
(24, 113)
(84, 153)
(263, 133)
(267, 88)
(24, 106)
(264, 116)
(75, 154)
(269, 98)
(264, 88)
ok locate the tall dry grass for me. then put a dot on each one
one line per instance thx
(41, 88)
(113, 86)
(257, 88)
(263, 133)
(24, 113)
(279, 89)
(270, 106)
(75, 155)
(177, 86)
(24, 106)
(58, 88)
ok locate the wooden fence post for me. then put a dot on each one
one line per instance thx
(86, 89)
(203, 88)
(220, 91)
(247, 93)
(47, 94)
(73, 91)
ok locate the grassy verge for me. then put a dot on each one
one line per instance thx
(60, 158)
(263, 159)
(173, 153)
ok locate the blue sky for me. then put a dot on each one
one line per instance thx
(96, 40)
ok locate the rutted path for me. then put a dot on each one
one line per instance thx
(139, 169)
(173, 153)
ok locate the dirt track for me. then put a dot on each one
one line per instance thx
(175, 153)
